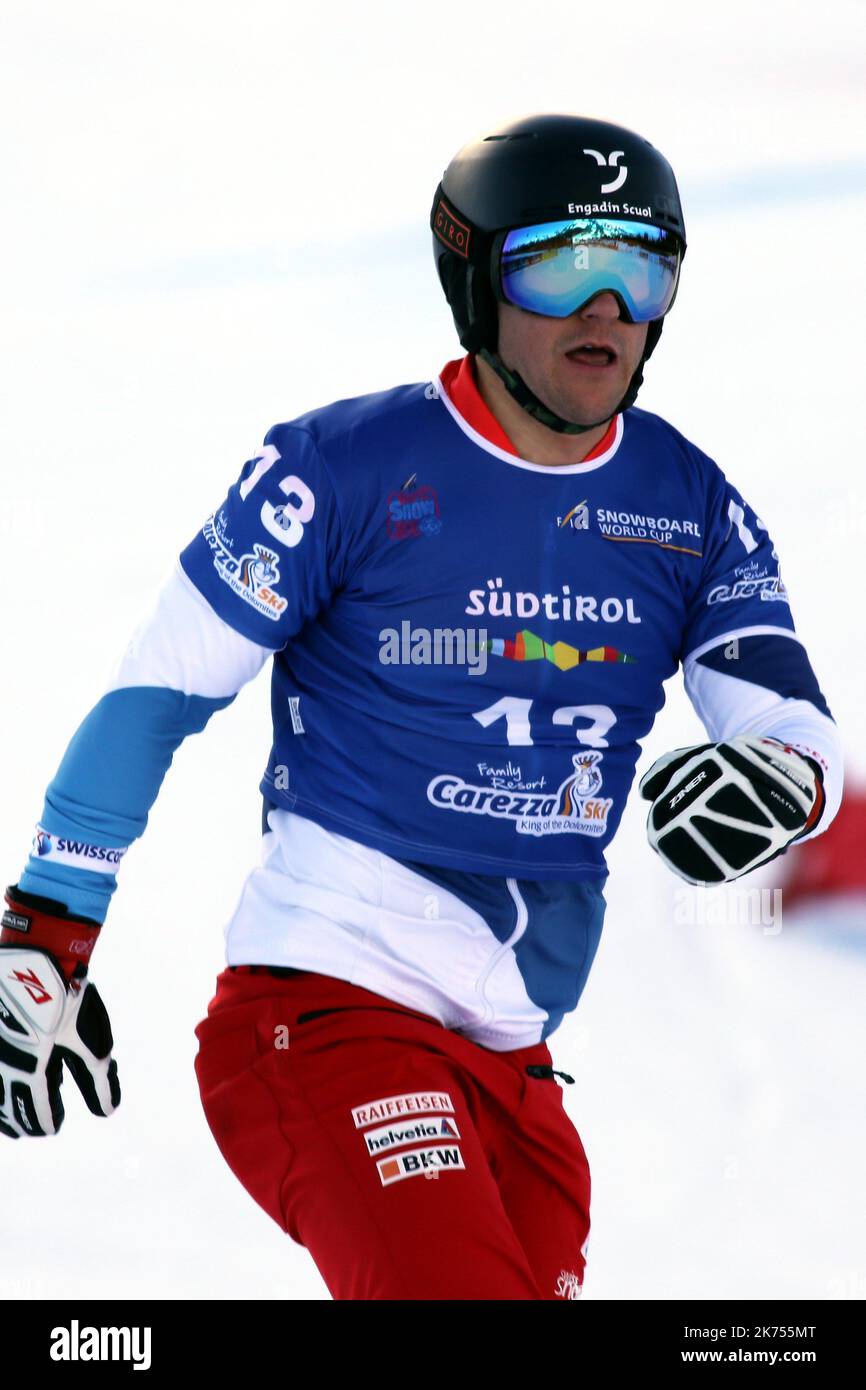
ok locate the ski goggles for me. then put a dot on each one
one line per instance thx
(555, 267)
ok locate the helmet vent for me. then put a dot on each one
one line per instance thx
(520, 135)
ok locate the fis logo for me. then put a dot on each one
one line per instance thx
(417, 1162)
(577, 519)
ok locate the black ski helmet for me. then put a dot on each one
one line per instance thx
(543, 168)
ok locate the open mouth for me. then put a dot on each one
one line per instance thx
(589, 356)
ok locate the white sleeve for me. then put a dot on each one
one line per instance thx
(183, 644)
(760, 681)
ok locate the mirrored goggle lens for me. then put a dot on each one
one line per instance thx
(556, 267)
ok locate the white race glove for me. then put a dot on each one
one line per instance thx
(50, 1013)
(721, 809)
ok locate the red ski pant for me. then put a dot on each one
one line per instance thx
(409, 1161)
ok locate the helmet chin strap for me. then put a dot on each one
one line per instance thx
(525, 397)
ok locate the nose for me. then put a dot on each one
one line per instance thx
(603, 305)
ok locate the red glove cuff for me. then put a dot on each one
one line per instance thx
(820, 798)
(820, 802)
(46, 925)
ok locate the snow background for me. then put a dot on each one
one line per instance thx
(216, 218)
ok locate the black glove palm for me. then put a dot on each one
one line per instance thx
(721, 809)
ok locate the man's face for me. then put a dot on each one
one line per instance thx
(583, 389)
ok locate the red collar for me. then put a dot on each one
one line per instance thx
(460, 382)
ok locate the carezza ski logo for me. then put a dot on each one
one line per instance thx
(575, 808)
(751, 579)
(253, 577)
(413, 511)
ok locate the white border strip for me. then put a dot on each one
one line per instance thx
(555, 468)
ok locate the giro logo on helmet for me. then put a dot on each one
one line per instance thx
(450, 230)
(611, 163)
